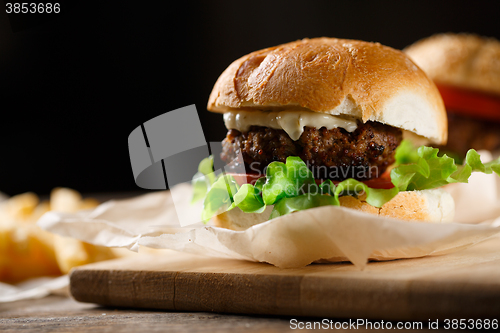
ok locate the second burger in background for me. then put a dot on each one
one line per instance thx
(466, 70)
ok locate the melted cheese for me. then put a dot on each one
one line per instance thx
(292, 122)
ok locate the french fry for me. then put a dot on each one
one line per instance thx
(27, 251)
(69, 253)
(21, 207)
(65, 200)
(88, 203)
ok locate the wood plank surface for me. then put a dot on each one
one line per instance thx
(461, 285)
(63, 314)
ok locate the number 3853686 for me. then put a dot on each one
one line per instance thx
(28, 7)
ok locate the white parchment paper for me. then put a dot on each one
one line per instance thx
(295, 240)
(34, 288)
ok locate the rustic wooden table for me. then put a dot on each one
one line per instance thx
(63, 314)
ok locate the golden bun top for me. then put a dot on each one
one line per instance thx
(367, 81)
(461, 60)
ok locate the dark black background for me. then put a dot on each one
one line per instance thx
(75, 84)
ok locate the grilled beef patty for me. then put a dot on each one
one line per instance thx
(330, 154)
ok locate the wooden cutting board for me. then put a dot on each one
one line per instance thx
(462, 285)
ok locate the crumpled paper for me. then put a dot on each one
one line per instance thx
(34, 288)
(323, 234)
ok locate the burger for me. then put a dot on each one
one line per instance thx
(329, 121)
(466, 70)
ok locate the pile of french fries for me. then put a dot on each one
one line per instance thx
(27, 251)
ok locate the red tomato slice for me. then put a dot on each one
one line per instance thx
(470, 103)
(383, 181)
(246, 178)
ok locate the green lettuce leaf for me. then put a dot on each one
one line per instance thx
(327, 187)
(206, 167)
(249, 199)
(200, 187)
(301, 202)
(432, 171)
(220, 197)
(375, 197)
(259, 184)
(406, 153)
(286, 180)
(203, 179)
(473, 164)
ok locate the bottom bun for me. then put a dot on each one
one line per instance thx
(434, 206)
(236, 219)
